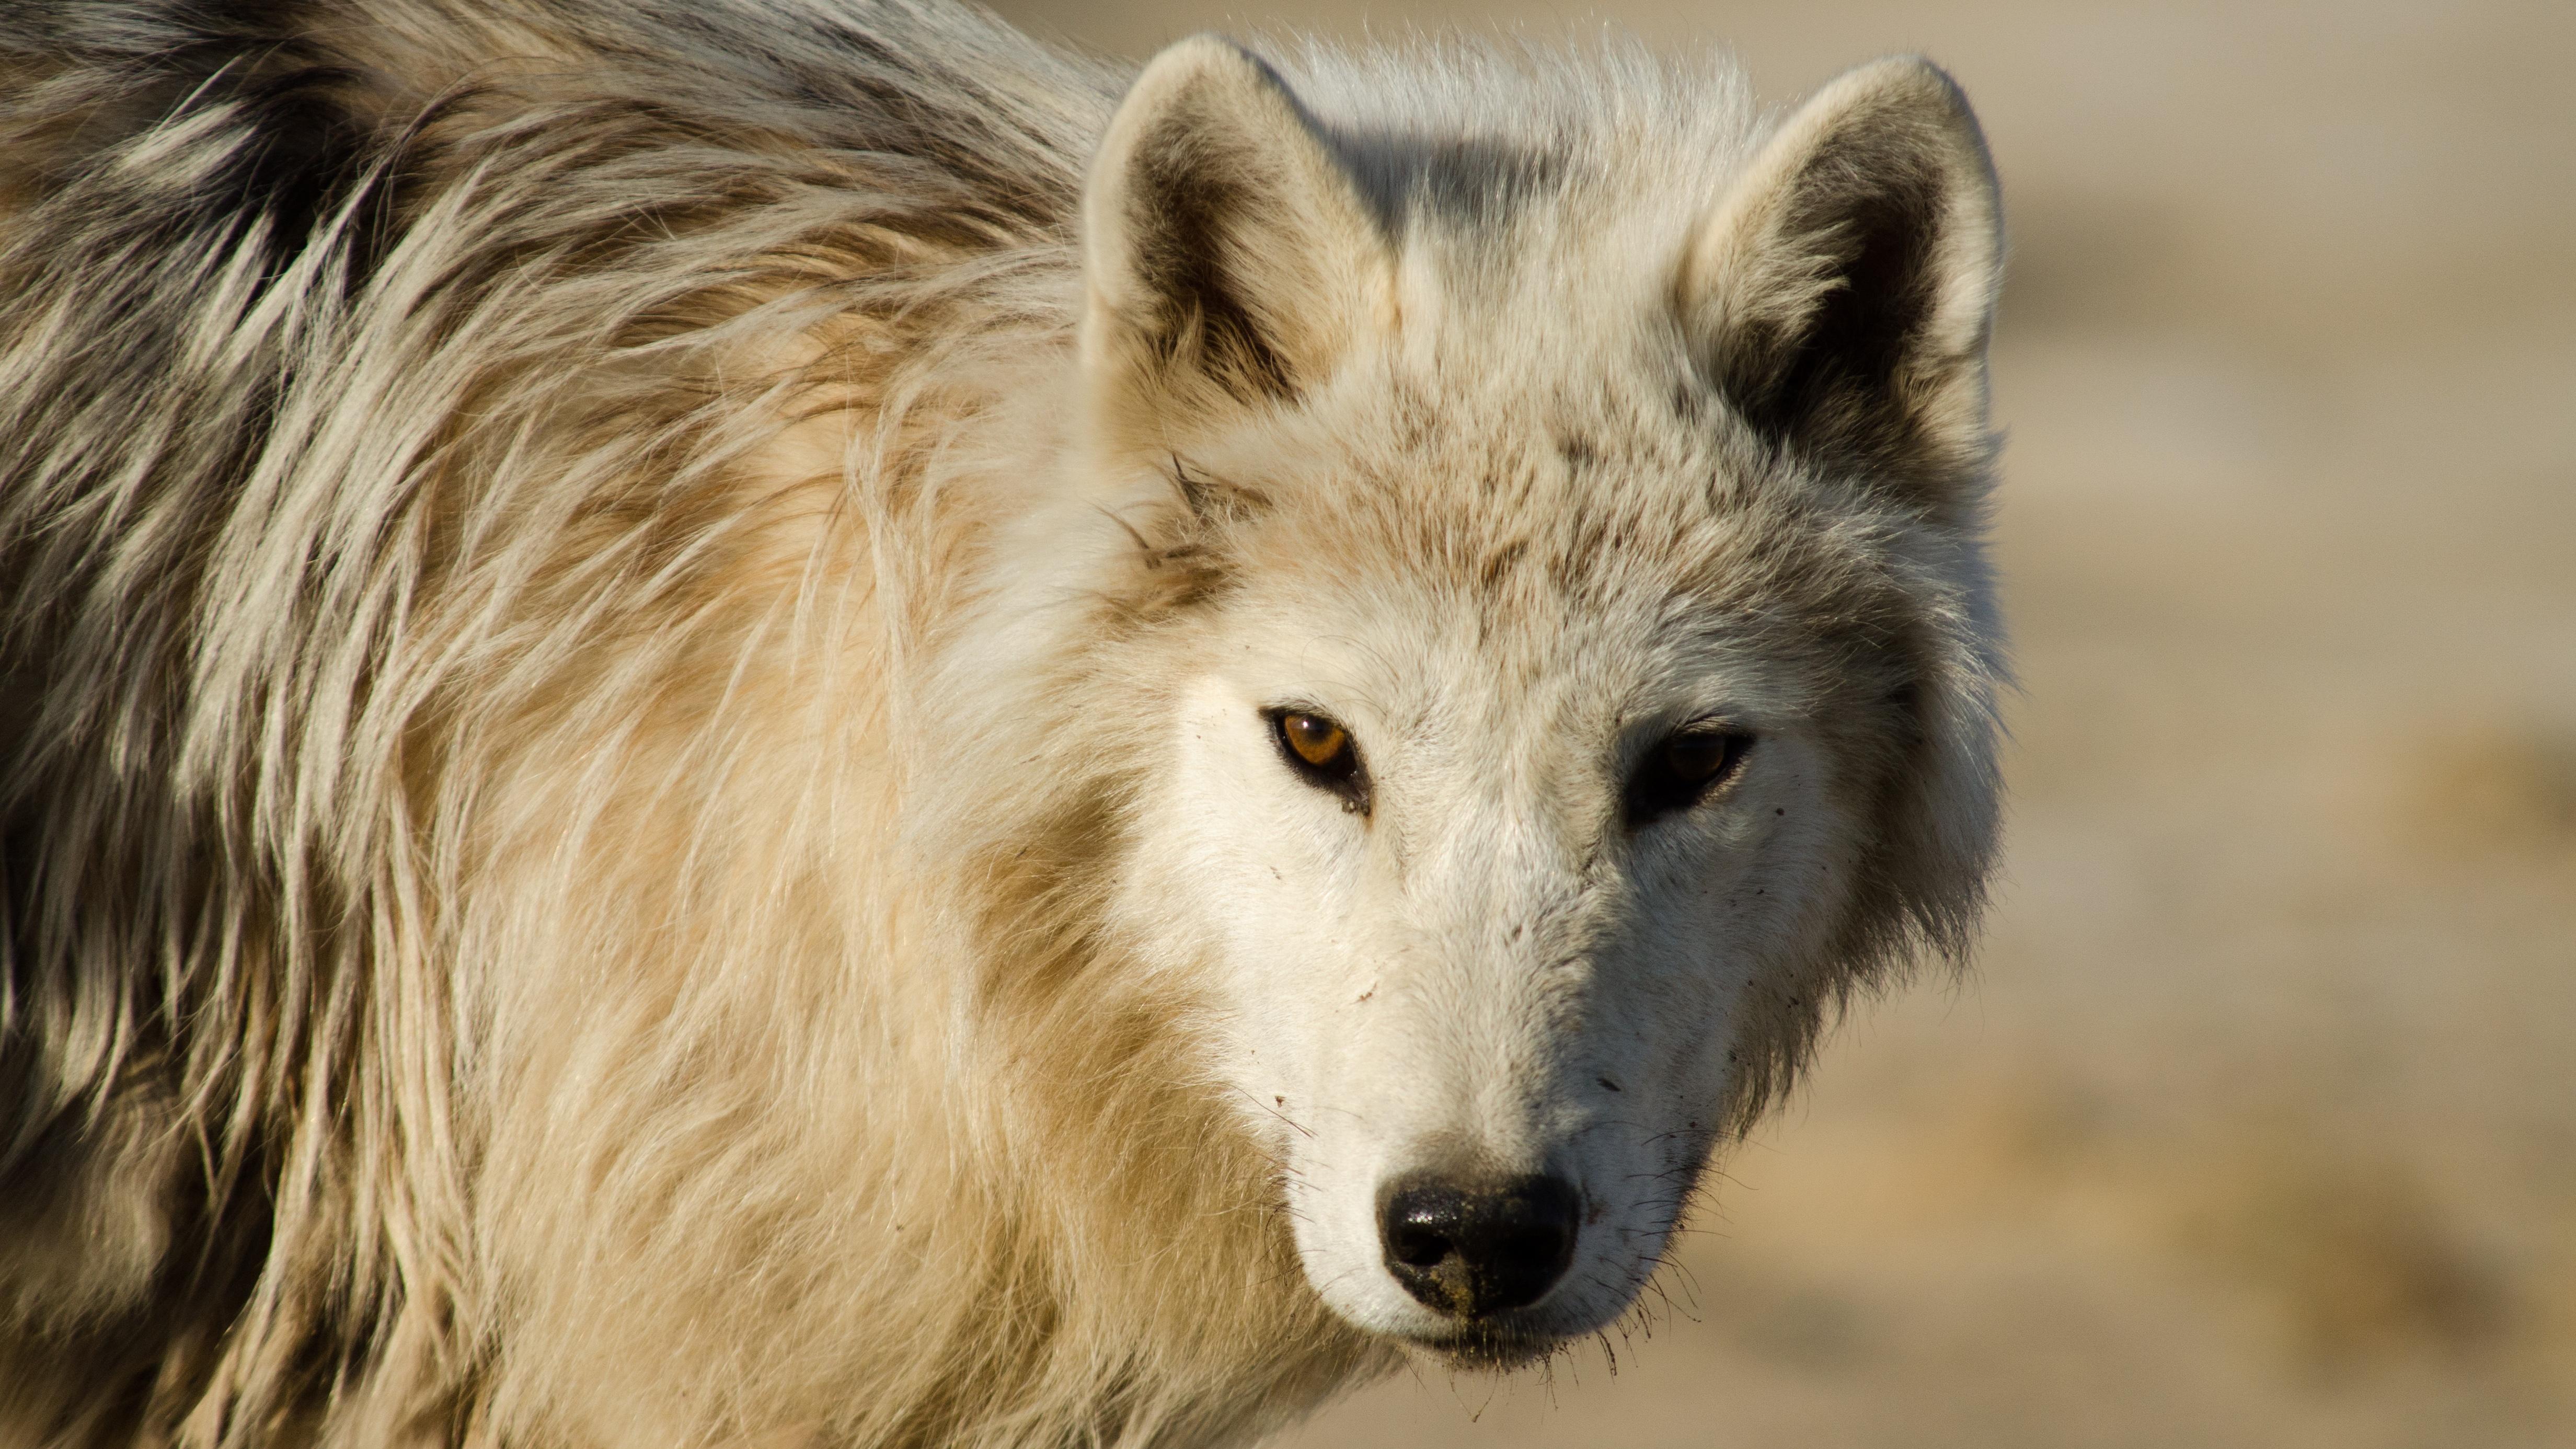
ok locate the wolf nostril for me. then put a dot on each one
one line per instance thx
(1470, 1247)
(1418, 1240)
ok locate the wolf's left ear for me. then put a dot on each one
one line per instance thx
(1228, 258)
(1841, 296)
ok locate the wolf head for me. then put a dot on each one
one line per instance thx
(1576, 661)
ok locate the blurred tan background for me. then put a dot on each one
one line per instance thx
(2257, 1123)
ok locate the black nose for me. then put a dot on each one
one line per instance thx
(1470, 1247)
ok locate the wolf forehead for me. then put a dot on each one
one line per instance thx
(1600, 475)
(1533, 541)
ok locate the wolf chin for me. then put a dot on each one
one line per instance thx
(792, 724)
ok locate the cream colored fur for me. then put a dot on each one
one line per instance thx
(638, 804)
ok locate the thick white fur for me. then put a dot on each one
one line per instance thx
(638, 809)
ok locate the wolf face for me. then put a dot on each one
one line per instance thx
(1586, 666)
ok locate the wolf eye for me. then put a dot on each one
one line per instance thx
(1683, 770)
(1320, 751)
(1319, 742)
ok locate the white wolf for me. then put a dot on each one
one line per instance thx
(763, 722)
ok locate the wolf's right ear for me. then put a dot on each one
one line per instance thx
(1841, 297)
(1228, 258)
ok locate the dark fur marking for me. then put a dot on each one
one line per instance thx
(1496, 566)
(294, 148)
(1186, 215)
(1833, 386)
(1212, 500)
(1834, 390)
(1470, 182)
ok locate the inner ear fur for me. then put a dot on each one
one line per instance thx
(1841, 296)
(1228, 258)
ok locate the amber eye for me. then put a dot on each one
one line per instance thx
(1315, 740)
(1320, 751)
(1696, 759)
(1681, 771)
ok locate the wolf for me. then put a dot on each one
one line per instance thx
(788, 722)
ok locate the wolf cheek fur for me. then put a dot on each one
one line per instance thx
(787, 727)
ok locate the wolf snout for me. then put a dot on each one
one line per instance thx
(1469, 1247)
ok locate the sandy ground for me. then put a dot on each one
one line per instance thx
(2257, 1122)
